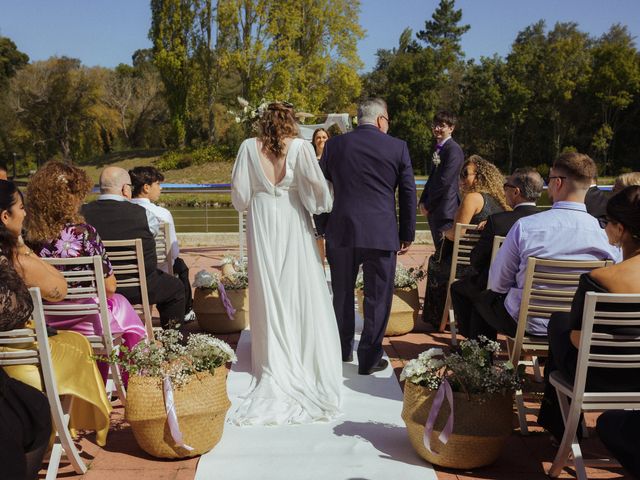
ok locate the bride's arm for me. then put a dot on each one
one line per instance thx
(240, 179)
(315, 192)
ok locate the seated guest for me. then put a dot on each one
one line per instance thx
(522, 189)
(76, 372)
(626, 180)
(55, 229)
(145, 185)
(25, 418)
(622, 229)
(116, 218)
(481, 184)
(565, 232)
(619, 430)
(596, 200)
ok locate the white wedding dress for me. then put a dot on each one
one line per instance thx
(295, 347)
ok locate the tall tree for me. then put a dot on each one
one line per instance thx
(11, 60)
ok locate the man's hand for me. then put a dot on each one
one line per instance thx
(481, 225)
(423, 210)
(404, 248)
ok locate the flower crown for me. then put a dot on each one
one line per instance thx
(252, 114)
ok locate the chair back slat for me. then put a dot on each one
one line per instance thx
(497, 243)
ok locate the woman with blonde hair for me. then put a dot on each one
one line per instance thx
(482, 187)
(626, 180)
(295, 347)
(56, 229)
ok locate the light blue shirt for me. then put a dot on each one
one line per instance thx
(564, 232)
(152, 220)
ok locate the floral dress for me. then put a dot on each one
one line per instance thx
(82, 240)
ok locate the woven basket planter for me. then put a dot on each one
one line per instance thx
(481, 426)
(211, 314)
(404, 310)
(201, 406)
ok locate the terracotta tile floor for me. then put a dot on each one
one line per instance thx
(524, 458)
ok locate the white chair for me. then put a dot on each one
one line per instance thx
(549, 287)
(34, 350)
(466, 237)
(84, 284)
(163, 248)
(127, 259)
(497, 243)
(582, 399)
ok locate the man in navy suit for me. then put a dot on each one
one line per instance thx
(441, 195)
(365, 167)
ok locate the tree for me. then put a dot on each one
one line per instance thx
(443, 33)
(11, 60)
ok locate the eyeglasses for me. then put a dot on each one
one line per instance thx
(439, 125)
(466, 173)
(386, 118)
(551, 177)
(508, 185)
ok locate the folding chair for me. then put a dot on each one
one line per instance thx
(85, 284)
(163, 248)
(34, 350)
(466, 237)
(127, 259)
(549, 287)
(581, 398)
(497, 243)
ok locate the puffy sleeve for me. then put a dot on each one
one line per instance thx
(314, 191)
(241, 180)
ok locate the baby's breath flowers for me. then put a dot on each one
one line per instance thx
(237, 280)
(472, 369)
(404, 277)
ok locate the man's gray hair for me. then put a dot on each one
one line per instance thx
(529, 181)
(370, 110)
(112, 179)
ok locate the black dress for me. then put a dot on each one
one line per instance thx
(563, 356)
(25, 418)
(439, 266)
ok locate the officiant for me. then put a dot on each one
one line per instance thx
(441, 195)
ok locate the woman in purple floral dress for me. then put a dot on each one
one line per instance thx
(55, 229)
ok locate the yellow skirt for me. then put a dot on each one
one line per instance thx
(77, 375)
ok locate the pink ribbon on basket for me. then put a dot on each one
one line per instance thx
(172, 416)
(444, 389)
(226, 303)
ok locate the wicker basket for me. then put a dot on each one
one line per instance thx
(211, 314)
(201, 405)
(480, 428)
(404, 310)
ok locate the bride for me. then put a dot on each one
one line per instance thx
(295, 347)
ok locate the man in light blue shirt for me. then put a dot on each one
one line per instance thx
(565, 232)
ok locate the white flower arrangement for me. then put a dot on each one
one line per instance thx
(404, 277)
(249, 113)
(169, 356)
(435, 159)
(472, 369)
(237, 280)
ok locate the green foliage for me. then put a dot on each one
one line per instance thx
(177, 159)
(11, 60)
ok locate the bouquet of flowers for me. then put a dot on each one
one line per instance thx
(471, 369)
(235, 278)
(168, 356)
(404, 277)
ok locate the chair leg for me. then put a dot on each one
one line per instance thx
(445, 312)
(117, 380)
(453, 327)
(537, 374)
(578, 462)
(522, 413)
(63, 438)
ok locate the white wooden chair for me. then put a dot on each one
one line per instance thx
(163, 248)
(86, 284)
(466, 237)
(581, 398)
(127, 259)
(497, 243)
(34, 350)
(549, 287)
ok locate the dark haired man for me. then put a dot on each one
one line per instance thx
(522, 189)
(566, 231)
(441, 195)
(146, 189)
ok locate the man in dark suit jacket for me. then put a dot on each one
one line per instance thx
(441, 195)
(596, 200)
(116, 218)
(365, 167)
(521, 189)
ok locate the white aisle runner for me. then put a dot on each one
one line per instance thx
(368, 442)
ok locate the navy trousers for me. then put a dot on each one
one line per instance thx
(378, 267)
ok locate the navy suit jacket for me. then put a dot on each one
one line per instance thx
(441, 194)
(366, 166)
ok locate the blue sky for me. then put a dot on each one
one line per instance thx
(107, 32)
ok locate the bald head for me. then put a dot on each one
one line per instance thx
(113, 180)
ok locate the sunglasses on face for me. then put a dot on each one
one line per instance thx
(466, 173)
(604, 221)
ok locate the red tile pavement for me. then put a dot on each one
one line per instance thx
(524, 458)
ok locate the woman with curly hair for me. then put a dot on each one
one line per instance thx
(481, 184)
(295, 348)
(55, 229)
